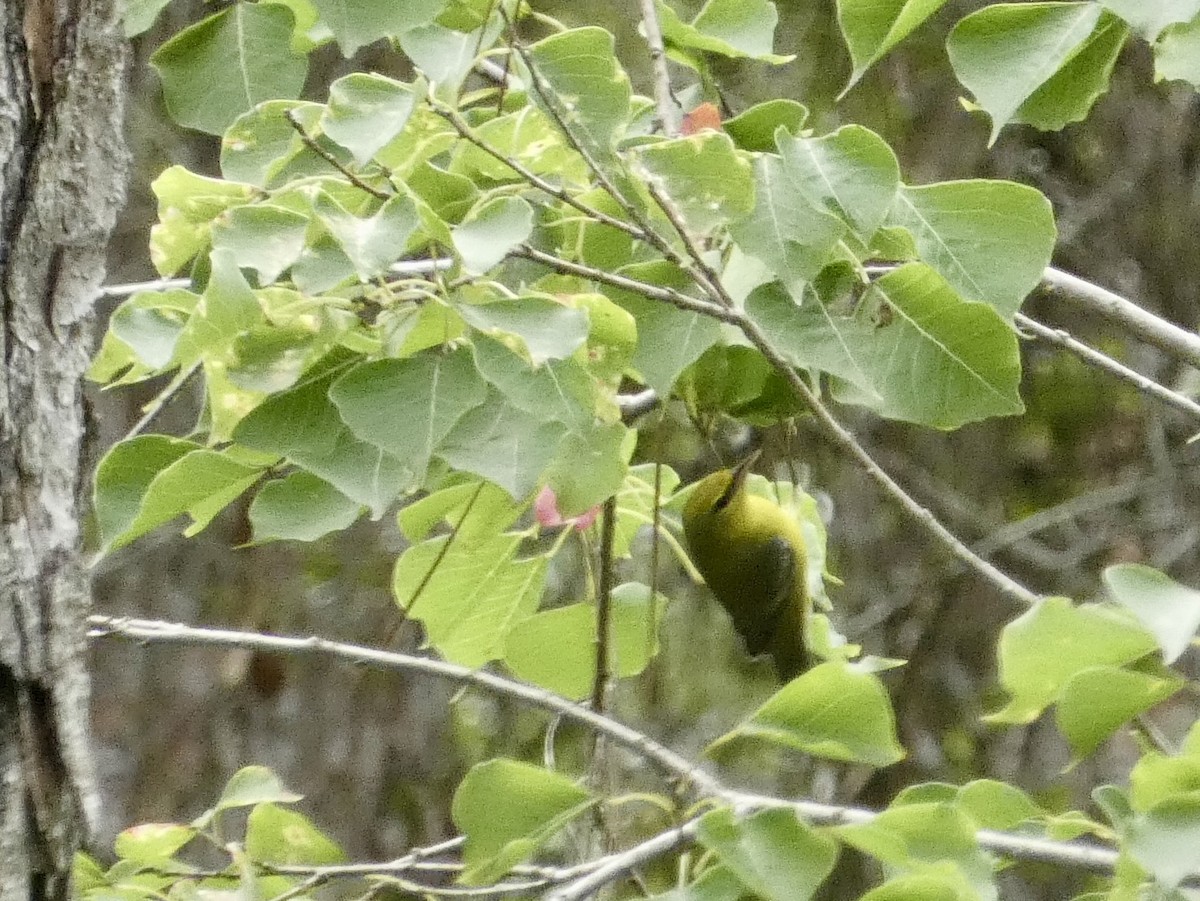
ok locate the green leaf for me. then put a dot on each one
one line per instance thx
(589, 466)
(282, 837)
(450, 196)
(1005, 52)
(201, 483)
(911, 349)
(149, 480)
(254, 785)
(374, 243)
(227, 308)
(851, 173)
(468, 594)
(304, 426)
(1097, 701)
(703, 177)
(491, 231)
(1177, 53)
(934, 358)
(476, 509)
(871, 28)
(123, 477)
(833, 711)
(755, 129)
(446, 56)
(262, 143)
(1149, 19)
(928, 838)
(1041, 650)
(787, 231)
(996, 805)
(527, 136)
(945, 885)
(508, 809)
(150, 322)
(407, 407)
(1155, 780)
(545, 328)
(1166, 840)
(262, 237)
(187, 204)
(300, 507)
(734, 28)
(138, 15)
(579, 68)
(556, 649)
(502, 443)
(356, 23)
(366, 111)
(219, 68)
(991, 240)
(1168, 610)
(1071, 92)
(669, 339)
(775, 855)
(152, 842)
(556, 391)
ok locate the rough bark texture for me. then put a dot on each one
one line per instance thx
(62, 174)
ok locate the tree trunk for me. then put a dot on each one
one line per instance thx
(62, 177)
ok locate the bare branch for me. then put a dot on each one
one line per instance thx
(1060, 338)
(154, 630)
(155, 406)
(653, 292)
(1166, 336)
(843, 438)
(558, 193)
(618, 865)
(664, 97)
(404, 268)
(328, 157)
(608, 529)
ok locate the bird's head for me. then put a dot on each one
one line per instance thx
(715, 493)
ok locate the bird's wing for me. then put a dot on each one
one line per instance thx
(772, 566)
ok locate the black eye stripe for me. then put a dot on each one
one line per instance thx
(726, 495)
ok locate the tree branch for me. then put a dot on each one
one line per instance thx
(1061, 338)
(653, 292)
(143, 630)
(664, 97)
(1166, 336)
(1082, 855)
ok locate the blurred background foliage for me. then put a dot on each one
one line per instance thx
(1092, 474)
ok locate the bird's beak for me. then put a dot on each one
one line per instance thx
(743, 469)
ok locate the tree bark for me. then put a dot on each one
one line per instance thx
(62, 179)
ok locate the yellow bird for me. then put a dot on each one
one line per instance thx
(751, 553)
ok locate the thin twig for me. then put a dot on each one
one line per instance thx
(843, 438)
(1084, 855)
(653, 292)
(402, 268)
(556, 191)
(620, 864)
(155, 406)
(664, 97)
(608, 528)
(1164, 335)
(709, 279)
(1061, 338)
(154, 630)
(328, 157)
